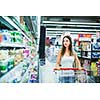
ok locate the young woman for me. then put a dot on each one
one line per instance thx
(65, 58)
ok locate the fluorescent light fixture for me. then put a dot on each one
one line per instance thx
(60, 25)
(72, 23)
(69, 29)
(60, 32)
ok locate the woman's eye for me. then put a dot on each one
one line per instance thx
(66, 40)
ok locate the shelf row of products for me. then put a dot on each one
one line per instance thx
(24, 72)
(13, 37)
(88, 50)
(10, 59)
(93, 66)
(17, 55)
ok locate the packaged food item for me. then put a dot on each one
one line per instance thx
(6, 38)
(26, 53)
(10, 63)
(3, 67)
(94, 69)
(1, 37)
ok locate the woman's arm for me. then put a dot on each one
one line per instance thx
(58, 59)
(78, 64)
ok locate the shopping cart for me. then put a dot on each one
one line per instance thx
(71, 75)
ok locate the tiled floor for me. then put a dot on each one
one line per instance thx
(47, 74)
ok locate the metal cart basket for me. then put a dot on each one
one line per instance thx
(71, 75)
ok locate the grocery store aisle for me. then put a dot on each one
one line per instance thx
(47, 74)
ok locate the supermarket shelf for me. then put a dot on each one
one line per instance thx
(25, 75)
(95, 57)
(84, 57)
(8, 74)
(14, 23)
(95, 50)
(12, 45)
(85, 51)
(82, 50)
(21, 28)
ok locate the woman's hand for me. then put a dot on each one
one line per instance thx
(58, 68)
(80, 68)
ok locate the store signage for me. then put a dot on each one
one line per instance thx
(84, 35)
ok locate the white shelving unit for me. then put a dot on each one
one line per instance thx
(10, 74)
(14, 25)
(15, 72)
(11, 45)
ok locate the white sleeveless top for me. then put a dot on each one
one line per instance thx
(67, 62)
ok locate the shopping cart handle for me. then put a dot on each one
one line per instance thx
(68, 68)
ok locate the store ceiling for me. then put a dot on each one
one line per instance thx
(74, 24)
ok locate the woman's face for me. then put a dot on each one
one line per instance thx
(66, 42)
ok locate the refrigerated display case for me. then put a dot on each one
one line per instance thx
(16, 56)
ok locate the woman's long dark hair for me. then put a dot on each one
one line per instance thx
(64, 48)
